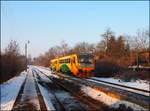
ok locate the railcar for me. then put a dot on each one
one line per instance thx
(81, 65)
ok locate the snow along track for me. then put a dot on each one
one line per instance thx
(136, 98)
(123, 87)
(137, 90)
(9, 91)
(62, 97)
(29, 97)
(43, 91)
(86, 103)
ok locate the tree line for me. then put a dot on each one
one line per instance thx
(12, 61)
(112, 53)
(120, 50)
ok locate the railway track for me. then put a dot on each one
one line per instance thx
(53, 101)
(133, 95)
(143, 92)
(57, 104)
(86, 103)
(29, 97)
(123, 86)
(18, 99)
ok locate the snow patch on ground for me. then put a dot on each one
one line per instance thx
(47, 98)
(10, 90)
(29, 92)
(141, 84)
(108, 100)
(43, 77)
(46, 71)
(45, 92)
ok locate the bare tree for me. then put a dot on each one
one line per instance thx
(12, 61)
(64, 47)
(100, 47)
(140, 41)
(84, 47)
(12, 48)
(107, 34)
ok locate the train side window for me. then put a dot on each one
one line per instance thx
(67, 60)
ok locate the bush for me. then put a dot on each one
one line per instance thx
(106, 68)
(12, 62)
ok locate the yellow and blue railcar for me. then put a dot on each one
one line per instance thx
(77, 64)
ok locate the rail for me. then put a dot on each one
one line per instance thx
(146, 91)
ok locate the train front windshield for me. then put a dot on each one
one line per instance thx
(85, 60)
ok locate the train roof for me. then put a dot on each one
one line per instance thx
(54, 60)
(68, 56)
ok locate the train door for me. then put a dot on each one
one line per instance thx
(73, 65)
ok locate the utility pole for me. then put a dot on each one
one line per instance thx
(137, 60)
(26, 61)
(26, 55)
(149, 48)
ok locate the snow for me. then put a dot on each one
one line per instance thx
(47, 99)
(45, 92)
(29, 91)
(140, 84)
(46, 71)
(68, 101)
(43, 77)
(103, 97)
(108, 100)
(10, 90)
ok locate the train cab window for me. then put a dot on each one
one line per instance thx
(73, 60)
